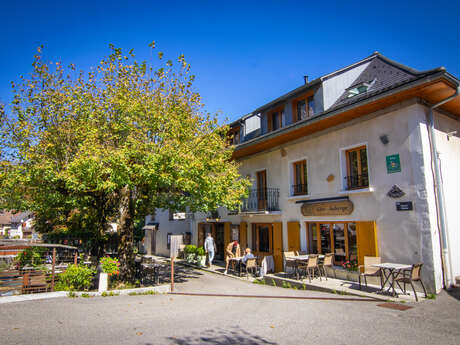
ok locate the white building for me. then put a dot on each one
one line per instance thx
(353, 163)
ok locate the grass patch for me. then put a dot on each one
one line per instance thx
(431, 296)
(259, 281)
(85, 295)
(72, 294)
(111, 293)
(143, 293)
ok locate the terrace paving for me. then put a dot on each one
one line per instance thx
(184, 319)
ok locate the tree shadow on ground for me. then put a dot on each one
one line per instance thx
(220, 337)
(455, 293)
(181, 274)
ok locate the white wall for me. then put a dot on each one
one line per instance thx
(404, 237)
(335, 86)
(449, 150)
(176, 227)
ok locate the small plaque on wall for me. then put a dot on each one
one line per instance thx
(393, 164)
(404, 206)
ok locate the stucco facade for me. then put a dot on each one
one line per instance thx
(396, 127)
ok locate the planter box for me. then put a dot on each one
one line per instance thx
(343, 274)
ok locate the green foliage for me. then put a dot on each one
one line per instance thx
(431, 296)
(72, 294)
(200, 251)
(110, 265)
(286, 285)
(190, 249)
(83, 149)
(31, 256)
(75, 278)
(4, 266)
(259, 281)
(111, 293)
(274, 282)
(85, 295)
(143, 293)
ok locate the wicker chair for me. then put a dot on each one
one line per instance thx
(369, 271)
(251, 265)
(289, 263)
(327, 262)
(310, 267)
(413, 276)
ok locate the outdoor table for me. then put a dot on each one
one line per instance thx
(297, 259)
(391, 270)
(237, 260)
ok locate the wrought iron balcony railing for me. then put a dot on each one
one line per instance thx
(357, 181)
(263, 199)
(299, 189)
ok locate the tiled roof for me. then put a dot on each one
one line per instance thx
(385, 75)
(5, 217)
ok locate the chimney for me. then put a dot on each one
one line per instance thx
(305, 79)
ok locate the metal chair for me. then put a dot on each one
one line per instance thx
(414, 276)
(369, 271)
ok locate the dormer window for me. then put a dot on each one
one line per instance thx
(359, 89)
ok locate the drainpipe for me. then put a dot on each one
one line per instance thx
(439, 193)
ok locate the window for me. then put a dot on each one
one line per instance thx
(357, 169)
(311, 106)
(299, 186)
(333, 237)
(275, 120)
(169, 240)
(303, 108)
(262, 238)
(359, 89)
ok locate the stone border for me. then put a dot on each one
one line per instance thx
(47, 295)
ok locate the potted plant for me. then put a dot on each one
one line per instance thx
(190, 252)
(109, 266)
(201, 257)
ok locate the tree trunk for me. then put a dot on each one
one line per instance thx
(126, 235)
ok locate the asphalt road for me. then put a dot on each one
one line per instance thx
(168, 319)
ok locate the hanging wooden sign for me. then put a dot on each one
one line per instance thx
(331, 208)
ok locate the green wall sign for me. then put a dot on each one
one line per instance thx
(393, 164)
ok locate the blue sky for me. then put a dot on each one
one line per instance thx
(244, 54)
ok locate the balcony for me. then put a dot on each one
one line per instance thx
(299, 189)
(259, 200)
(357, 182)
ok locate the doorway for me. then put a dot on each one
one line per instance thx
(262, 190)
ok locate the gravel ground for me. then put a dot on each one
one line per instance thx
(177, 319)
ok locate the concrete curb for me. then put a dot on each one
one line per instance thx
(166, 288)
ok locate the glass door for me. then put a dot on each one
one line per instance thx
(339, 243)
(262, 190)
(325, 238)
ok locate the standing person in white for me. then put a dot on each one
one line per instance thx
(210, 248)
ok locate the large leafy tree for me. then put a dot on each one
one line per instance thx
(79, 149)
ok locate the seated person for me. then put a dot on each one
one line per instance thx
(248, 255)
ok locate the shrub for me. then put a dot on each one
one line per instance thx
(30, 256)
(110, 265)
(76, 277)
(200, 251)
(190, 249)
